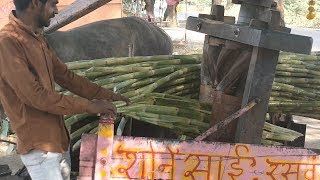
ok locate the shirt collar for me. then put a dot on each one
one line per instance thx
(16, 22)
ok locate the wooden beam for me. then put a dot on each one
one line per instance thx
(258, 85)
(238, 68)
(73, 12)
(208, 70)
(222, 124)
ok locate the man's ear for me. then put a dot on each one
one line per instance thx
(37, 3)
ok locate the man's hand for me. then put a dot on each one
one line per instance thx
(103, 107)
(118, 97)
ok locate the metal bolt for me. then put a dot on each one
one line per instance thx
(199, 26)
(236, 32)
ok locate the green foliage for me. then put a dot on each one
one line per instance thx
(296, 6)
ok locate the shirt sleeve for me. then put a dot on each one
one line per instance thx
(77, 84)
(15, 71)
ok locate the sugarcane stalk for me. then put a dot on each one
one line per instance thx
(269, 142)
(144, 82)
(292, 74)
(166, 110)
(186, 91)
(135, 75)
(75, 119)
(84, 129)
(176, 119)
(76, 146)
(301, 57)
(292, 89)
(281, 94)
(148, 89)
(270, 127)
(307, 72)
(181, 103)
(278, 137)
(173, 97)
(307, 86)
(174, 89)
(124, 84)
(85, 64)
(294, 103)
(192, 77)
(119, 69)
(291, 62)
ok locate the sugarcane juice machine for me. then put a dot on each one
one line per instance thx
(240, 61)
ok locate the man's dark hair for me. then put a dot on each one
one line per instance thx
(23, 4)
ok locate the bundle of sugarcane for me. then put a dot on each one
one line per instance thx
(296, 86)
(190, 117)
(187, 118)
(136, 77)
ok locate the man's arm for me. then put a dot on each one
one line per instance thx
(14, 70)
(81, 85)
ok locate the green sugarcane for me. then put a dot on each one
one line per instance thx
(299, 57)
(76, 146)
(175, 89)
(307, 86)
(85, 64)
(298, 70)
(135, 75)
(297, 81)
(292, 74)
(182, 103)
(292, 89)
(144, 82)
(280, 94)
(124, 84)
(270, 127)
(108, 76)
(176, 119)
(294, 103)
(166, 110)
(148, 89)
(186, 91)
(290, 110)
(190, 77)
(94, 75)
(278, 137)
(272, 143)
(86, 128)
(119, 69)
(75, 119)
(291, 62)
(305, 66)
